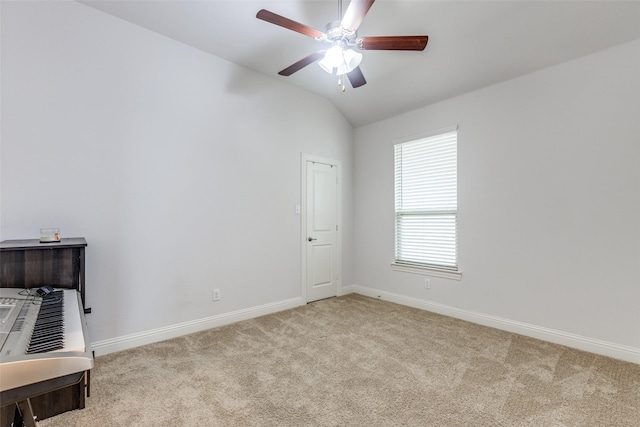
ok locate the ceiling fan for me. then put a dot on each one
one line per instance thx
(339, 38)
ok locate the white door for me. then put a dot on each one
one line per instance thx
(321, 234)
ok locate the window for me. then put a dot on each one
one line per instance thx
(426, 202)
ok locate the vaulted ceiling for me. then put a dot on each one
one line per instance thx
(472, 44)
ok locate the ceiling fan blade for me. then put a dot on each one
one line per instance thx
(276, 19)
(356, 78)
(355, 14)
(393, 43)
(309, 59)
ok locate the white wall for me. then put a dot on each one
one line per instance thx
(549, 202)
(182, 170)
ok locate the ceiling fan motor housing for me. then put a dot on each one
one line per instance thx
(334, 35)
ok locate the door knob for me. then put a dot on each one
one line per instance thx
(311, 239)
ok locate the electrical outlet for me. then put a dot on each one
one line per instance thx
(427, 283)
(216, 295)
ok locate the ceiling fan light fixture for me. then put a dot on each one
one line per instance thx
(340, 61)
(334, 56)
(352, 59)
(322, 63)
(325, 67)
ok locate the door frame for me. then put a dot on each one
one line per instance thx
(304, 158)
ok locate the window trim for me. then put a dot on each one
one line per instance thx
(427, 270)
(427, 134)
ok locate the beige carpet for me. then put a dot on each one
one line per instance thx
(357, 361)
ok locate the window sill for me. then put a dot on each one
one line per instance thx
(427, 271)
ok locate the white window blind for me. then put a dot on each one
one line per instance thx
(426, 201)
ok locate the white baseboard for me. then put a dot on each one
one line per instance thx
(605, 348)
(345, 290)
(155, 335)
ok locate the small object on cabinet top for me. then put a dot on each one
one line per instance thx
(49, 235)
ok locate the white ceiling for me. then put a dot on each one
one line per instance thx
(472, 44)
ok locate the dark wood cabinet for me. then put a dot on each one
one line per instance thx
(31, 264)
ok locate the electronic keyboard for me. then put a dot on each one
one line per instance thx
(42, 336)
